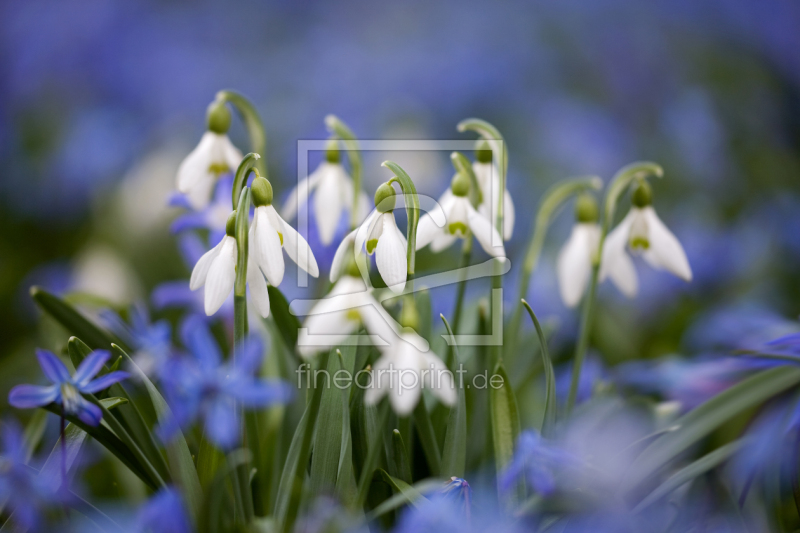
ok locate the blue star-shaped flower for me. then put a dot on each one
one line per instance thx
(65, 389)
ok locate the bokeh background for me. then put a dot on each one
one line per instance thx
(100, 101)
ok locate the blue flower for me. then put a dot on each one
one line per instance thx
(202, 386)
(27, 495)
(212, 217)
(440, 513)
(163, 513)
(65, 389)
(536, 461)
(152, 341)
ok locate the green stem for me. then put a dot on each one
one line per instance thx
(552, 201)
(427, 438)
(252, 122)
(341, 130)
(242, 494)
(466, 251)
(618, 185)
(247, 166)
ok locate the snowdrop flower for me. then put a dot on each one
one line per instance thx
(334, 194)
(65, 389)
(575, 261)
(214, 156)
(489, 180)
(403, 370)
(643, 232)
(269, 233)
(380, 235)
(460, 217)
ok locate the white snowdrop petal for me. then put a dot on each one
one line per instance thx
(390, 255)
(442, 241)
(508, 215)
(439, 379)
(299, 195)
(616, 263)
(485, 233)
(665, 250)
(427, 230)
(201, 192)
(233, 157)
(221, 276)
(258, 289)
(575, 262)
(196, 164)
(363, 231)
(200, 270)
(297, 248)
(328, 203)
(266, 247)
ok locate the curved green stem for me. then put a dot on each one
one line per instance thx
(340, 129)
(552, 201)
(499, 153)
(252, 122)
(618, 185)
(247, 166)
(412, 211)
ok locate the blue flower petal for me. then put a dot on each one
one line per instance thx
(174, 294)
(197, 337)
(104, 382)
(89, 367)
(89, 413)
(252, 352)
(28, 396)
(52, 367)
(252, 393)
(222, 424)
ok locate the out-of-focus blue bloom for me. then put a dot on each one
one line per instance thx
(460, 491)
(690, 382)
(213, 217)
(442, 513)
(328, 516)
(27, 495)
(202, 386)
(150, 340)
(536, 461)
(66, 389)
(165, 512)
(742, 326)
(592, 372)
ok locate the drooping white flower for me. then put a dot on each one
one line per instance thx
(334, 195)
(216, 269)
(214, 156)
(380, 235)
(488, 176)
(347, 308)
(577, 256)
(269, 234)
(460, 217)
(403, 370)
(641, 232)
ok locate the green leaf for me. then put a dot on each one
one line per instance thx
(34, 432)
(373, 454)
(454, 453)
(688, 473)
(181, 466)
(346, 488)
(410, 494)
(72, 320)
(427, 438)
(328, 439)
(701, 421)
(216, 495)
(549, 420)
(504, 417)
(399, 458)
(287, 323)
(290, 489)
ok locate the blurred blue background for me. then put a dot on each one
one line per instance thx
(99, 102)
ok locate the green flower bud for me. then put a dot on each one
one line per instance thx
(332, 154)
(261, 191)
(460, 184)
(384, 200)
(586, 210)
(218, 117)
(643, 195)
(230, 225)
(484, 153)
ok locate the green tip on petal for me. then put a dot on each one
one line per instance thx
(384, 198)
(457, 227)
(371, 245)
(218, 117)
(261, 191)
(640, 243)
(230, 225)
(643, 195)
(586, 209)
